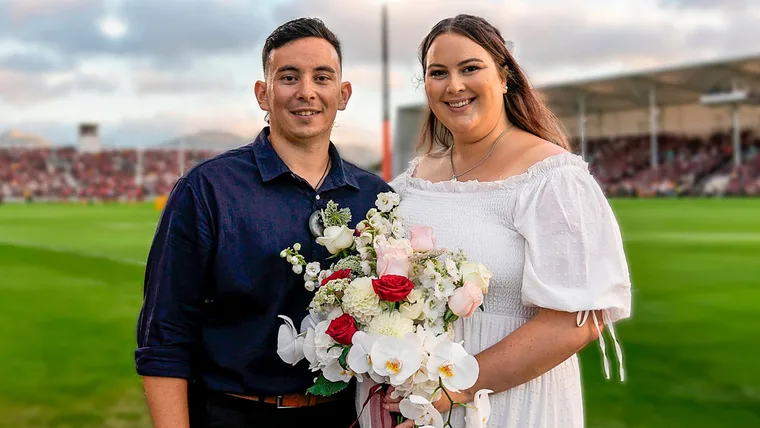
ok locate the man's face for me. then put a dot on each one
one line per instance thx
(303, 91)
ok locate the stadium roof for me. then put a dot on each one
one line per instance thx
(15, 138)
(682, 84)
(205, 140)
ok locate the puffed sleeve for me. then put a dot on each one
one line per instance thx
(574, 258)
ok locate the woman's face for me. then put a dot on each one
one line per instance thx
(464, 86)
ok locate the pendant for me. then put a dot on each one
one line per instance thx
(453, 178)
(315, 223)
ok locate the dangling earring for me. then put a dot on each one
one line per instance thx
(506, 88)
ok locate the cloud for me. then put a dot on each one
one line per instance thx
(157, 82)
(22, 89)
(549, 35)
(706, 4)
(169, 32)
(28, 62)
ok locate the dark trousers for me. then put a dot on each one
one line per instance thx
(217, 410)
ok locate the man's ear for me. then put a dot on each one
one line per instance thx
(345, 94)
(260, 89)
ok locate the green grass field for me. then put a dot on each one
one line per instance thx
(71, 288)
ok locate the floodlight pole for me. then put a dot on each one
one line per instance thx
(654, 158)
(736, 134)
(582, 126)
(386, 96)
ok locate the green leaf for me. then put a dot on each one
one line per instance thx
(325, 388)
(342, 359)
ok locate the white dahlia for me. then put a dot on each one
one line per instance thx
(391, 324)
(360, 300)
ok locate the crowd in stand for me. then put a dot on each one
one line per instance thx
(688, 166)
(65, 174)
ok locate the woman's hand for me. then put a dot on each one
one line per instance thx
(443, 404)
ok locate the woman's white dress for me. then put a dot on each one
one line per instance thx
(551, 240)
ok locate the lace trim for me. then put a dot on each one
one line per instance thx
(536, 170)
(581, 320)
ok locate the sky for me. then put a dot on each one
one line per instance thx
(147, 71)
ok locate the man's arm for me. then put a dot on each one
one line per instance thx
(168, 330)
(167, 399)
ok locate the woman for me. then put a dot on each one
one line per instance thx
(499, 183)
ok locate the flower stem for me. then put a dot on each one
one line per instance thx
(451, 403)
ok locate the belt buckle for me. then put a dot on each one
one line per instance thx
(279, 403)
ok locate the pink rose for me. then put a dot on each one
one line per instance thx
(422, 238)
(465, 300)
(393, 258)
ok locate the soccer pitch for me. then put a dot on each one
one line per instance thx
(71, 288)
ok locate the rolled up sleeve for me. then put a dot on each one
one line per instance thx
(168, 329)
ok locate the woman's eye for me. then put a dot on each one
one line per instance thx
(471, 69)
(437, 73)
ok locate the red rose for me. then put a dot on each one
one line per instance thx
(341, 274)
(342, 329)
(392, 288)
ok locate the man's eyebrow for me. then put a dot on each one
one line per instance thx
(287, 68)
(326, 68)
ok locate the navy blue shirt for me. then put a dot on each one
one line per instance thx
(215, 282)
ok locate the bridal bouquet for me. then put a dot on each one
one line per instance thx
(384, 310)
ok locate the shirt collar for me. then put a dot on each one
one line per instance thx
(271, 166)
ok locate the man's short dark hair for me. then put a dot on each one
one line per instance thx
(299, 29)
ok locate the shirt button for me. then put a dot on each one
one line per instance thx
(317, 197)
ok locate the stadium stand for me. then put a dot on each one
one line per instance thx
(689, 166)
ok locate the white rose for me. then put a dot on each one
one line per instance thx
(411, 311)
(337, 238)
(477, 274)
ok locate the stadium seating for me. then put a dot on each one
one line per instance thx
(689, 166)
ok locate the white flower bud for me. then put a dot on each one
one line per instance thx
(310, 285)
(283, 254)
(297, 246)
(297, 269)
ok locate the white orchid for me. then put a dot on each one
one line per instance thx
(421, 411)
(289, 342)
(453, 365)
(358, 357)
(334, 372)
(477, 415)
(324, 345)
(397, 358)
(310, 350)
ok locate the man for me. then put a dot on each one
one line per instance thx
(215, 282)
